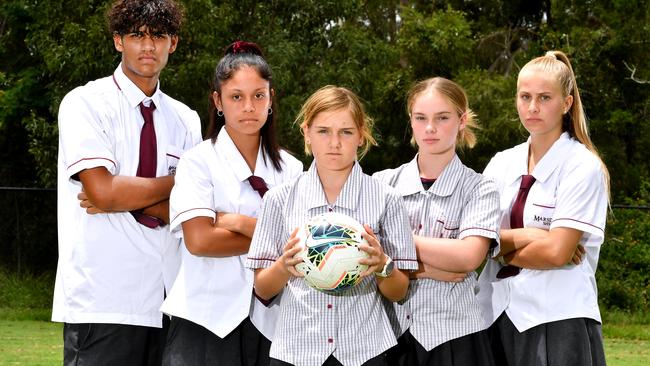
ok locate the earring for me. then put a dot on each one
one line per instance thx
(270, 111)
(219, 113)
(308, 142)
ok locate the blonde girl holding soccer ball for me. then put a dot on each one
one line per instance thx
(351, 327)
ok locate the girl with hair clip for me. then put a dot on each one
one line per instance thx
(454, 214)
(213, 207)
(539, 297)
(348, 328)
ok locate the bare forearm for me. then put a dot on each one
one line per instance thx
(271, 280)
(528, 257)
(114, 193)
(395, 286)
(552, 251)
(203, 238)
(452, 255)
(514, 239)
(238, 223)
(219, 243)
(159, 210)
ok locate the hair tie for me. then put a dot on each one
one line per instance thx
(551, 54)
(244, 47)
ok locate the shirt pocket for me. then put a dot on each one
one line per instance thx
(541, 214)
(172, 155)
(443, 227)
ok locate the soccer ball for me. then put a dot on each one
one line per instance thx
(331, 253)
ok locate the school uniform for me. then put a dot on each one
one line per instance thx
(569, 191)
(112, 269)
(216, 293)
(460, 203)
(351, 326)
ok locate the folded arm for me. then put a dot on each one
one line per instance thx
(557, 248)
(114, 193)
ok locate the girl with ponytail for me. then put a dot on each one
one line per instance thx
(539, 295)
(454, 214)
(215, 319)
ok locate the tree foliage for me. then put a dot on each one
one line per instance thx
(376, 48)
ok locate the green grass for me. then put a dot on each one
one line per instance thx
(30, 342)
(27, 337)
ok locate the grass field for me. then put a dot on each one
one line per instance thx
(27, 337)
(39, 342)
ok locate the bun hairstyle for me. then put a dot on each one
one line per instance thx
(243, 47)
(237, 55)
(574, 121)
(456, 95)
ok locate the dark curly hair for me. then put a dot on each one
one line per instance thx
(160, 16)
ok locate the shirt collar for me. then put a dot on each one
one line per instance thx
(227, 149)
(348, 197)
(545, 167)
(131, 92)
(409, 182)
(449, 178)
(554, 156)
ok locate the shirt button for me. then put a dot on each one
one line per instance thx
(420, 227)
(330, 340)
(330, 209)
(408, 317)
(329, 306)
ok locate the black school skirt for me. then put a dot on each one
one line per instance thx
(470, 350)
(575, 342)
(191, 344)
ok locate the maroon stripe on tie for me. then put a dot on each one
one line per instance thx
(148, 160)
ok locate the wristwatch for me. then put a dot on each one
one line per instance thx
(388, 268)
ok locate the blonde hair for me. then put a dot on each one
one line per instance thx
(333, 98)
(456, 95)
(574, 121)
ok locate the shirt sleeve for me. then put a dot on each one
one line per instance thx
(270, 234)
(294, 167)
(481, 214)
(85, 141)
(581, 201)
(192, 195)
(194, 136)
(397, 240)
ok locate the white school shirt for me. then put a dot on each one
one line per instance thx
(112, 269)
(216, 293)
(460, 203)
(569, 191)
(352, 325)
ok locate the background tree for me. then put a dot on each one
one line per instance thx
(378, 49)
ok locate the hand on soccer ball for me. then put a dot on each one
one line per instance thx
(287, 260)
(377, 258)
